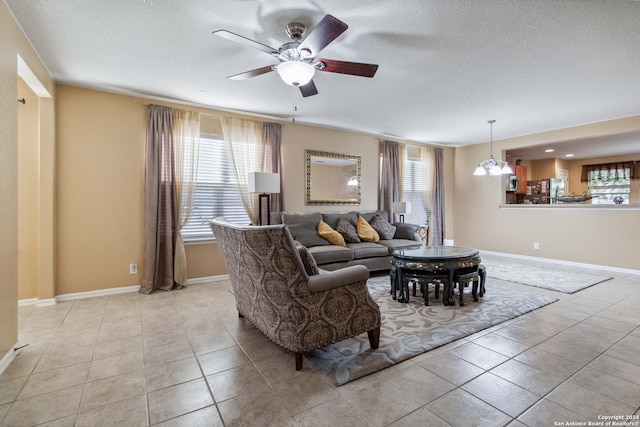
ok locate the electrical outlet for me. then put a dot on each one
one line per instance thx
(133, 268)
(536, 246)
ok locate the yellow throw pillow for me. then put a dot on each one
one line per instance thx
(326, 232)
(366, 232)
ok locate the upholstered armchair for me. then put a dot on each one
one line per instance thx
(278, 288)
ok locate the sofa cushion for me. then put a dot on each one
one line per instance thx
(313, 218)
(405, 231)
(307, 234)
(384, 229)
(368, 215)
(348, 231)
(308, 260)
(333, 218)
(367, 250)
(331, 235)
(332, 253)
(365, 232)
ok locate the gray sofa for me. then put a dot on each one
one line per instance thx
(375, 256)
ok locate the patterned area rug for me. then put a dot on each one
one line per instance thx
(413, 328)
(545, 275)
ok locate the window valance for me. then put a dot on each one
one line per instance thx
(618, 170)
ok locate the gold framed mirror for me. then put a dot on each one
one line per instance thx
(332, 178)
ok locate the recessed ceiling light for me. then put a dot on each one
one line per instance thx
(549, 150)
(569, 155)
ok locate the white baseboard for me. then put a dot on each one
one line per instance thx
(7, 359)
(97, 293)
(562, 262)
(207, 279)
(27, 302)
(110, 291)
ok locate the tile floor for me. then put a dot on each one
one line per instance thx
(185, 359)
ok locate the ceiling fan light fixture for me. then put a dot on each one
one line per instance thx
(296, 73)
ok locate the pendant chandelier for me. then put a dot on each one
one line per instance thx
(492, 166)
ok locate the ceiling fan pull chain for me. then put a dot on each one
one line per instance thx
(293, 103)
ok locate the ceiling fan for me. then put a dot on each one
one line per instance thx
(298, 62)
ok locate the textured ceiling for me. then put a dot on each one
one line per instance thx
(445, 66)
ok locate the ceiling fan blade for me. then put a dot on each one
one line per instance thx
(324, 33)
(309, 89)
(345, 67)
(245, 41)
(252, 73)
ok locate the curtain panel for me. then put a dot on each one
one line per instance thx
(171, 158)
(159, 202)
(186, 145)
(272, 149)
(436, 234)
(390, 178)
(243, 139)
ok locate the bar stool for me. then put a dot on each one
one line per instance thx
(465, 275)
(424, 279)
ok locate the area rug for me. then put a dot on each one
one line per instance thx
(545, 275)
(411, 329)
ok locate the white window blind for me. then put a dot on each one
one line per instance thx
(415, 186)
(215, 194)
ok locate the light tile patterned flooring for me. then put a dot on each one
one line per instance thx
(185, 359)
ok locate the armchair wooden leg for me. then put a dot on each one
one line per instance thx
(298, 357)
(374, 337)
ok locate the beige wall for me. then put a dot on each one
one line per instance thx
(13, 44)
(603, 237)
(99, 215)
(27, 193)
(298, 138)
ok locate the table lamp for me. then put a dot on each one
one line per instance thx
(266, 184)
(402, 208)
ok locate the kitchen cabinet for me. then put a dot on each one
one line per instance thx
(521, 173)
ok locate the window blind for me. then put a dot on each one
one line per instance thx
(215, 194)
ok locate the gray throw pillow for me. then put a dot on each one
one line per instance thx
(348, 231)
(406, 231)
(385, 230)
(307, 234)
(308, 260)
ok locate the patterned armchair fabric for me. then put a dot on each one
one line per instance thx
(298, 311)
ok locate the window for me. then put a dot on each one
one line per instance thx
(416, 186)
(611, 185)
(215, 194)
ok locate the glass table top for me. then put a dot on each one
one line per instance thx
(434, 252)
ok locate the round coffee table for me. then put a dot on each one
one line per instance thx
(426, 261)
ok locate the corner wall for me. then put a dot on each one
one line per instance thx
(14, 43)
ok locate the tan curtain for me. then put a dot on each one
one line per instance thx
(159, 201)
(186, 143)
(272, 159)
(244, 145)
(390, 178)
(436, 233)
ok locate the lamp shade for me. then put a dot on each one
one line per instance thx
(263, 182)
(296, 73)
(402, 207)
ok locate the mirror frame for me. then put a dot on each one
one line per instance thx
(309, 199)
